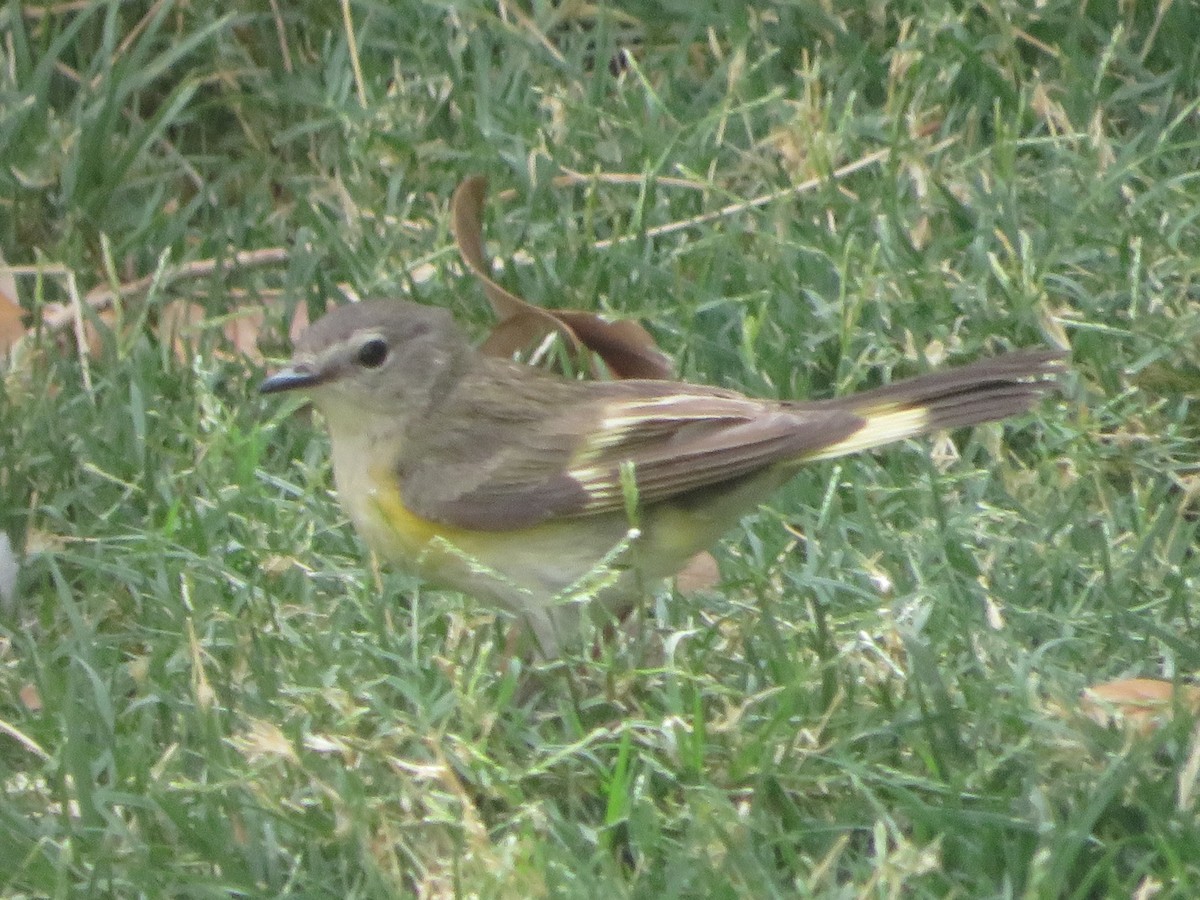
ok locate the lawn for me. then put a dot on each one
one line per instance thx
(209, 688)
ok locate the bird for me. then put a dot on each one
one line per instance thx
(551, 497)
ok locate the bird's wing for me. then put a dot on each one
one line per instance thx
(662, 439)
(684, 441)
(528, 449)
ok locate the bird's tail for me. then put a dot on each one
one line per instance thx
(985, 391)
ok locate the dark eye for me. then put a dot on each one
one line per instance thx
(373, 353)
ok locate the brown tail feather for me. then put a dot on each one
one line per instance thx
(985, 391)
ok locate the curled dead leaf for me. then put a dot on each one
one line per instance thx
(1141, 704)
(625, 347)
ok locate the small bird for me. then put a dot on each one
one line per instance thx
(543, 494)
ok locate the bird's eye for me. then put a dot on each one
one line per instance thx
(373, 353)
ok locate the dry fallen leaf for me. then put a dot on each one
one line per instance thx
(88, 339)
(626, 348)
(300, 320)
(102, 322)
(242, 328)
(1141, 704)
(181, 323)
(700, 574)
(30, 698)
(12, 329)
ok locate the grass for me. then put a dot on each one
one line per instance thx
(207, 688)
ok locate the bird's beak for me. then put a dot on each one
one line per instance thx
(295, 377)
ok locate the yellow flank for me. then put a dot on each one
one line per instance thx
(884, 425)
(401, 521)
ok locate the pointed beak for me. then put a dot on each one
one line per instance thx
(295, 377)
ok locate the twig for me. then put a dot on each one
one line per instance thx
(521, 257)
(58, 315)
(742, 206)
(573, 177)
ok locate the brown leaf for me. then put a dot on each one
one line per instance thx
(12, 329)
(466, 222)
(300, 320)
(516, 334)
(700, 574)
(104, 321)
(179, 325)
(30, 698)
(96, 325)
(242, 329)
(1142, 704)
(626, 348)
